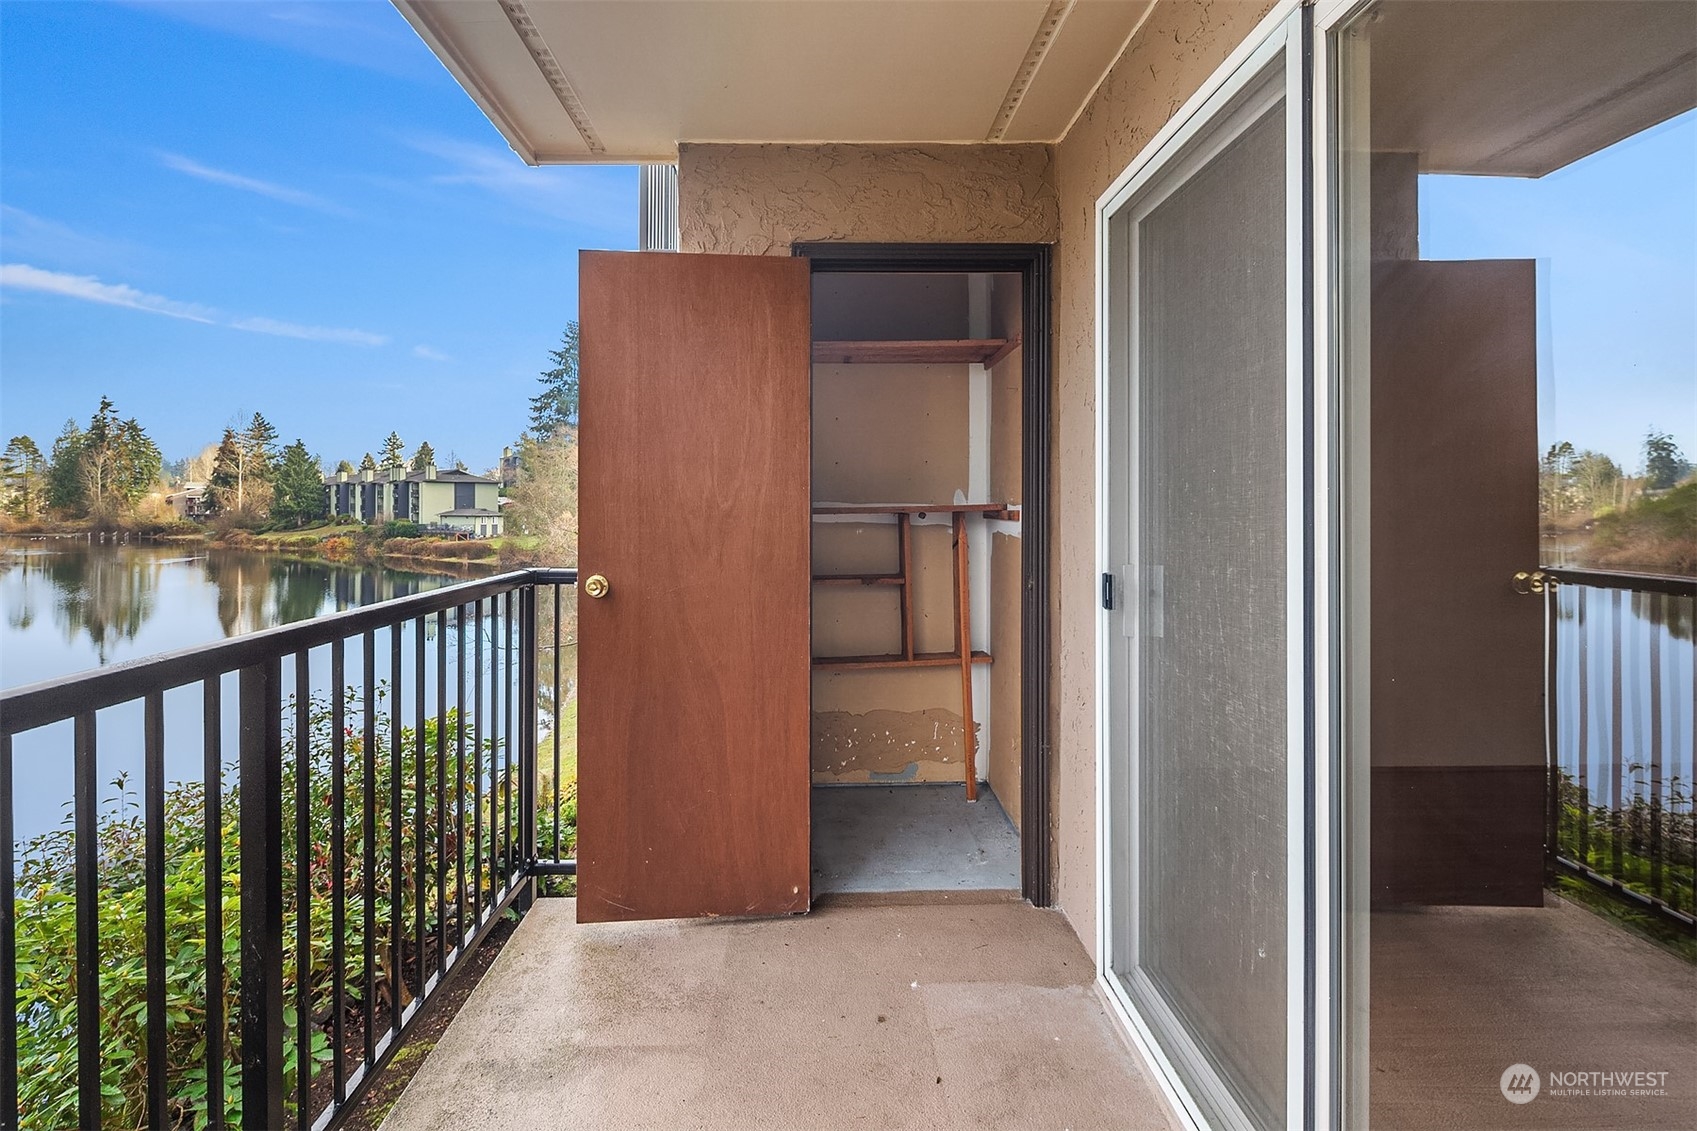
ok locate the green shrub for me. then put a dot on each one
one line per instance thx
(46, 907)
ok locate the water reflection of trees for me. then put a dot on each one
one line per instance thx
(258, 591)
(109, 592)
(105, 592)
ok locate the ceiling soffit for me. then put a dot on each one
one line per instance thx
(615, 81)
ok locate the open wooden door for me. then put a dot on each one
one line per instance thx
(693, 668)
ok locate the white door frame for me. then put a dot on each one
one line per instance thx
(1311, 813)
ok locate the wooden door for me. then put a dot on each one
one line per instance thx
(693, 670)
(1457, 725)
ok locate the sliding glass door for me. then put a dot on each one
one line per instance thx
(1198, 660)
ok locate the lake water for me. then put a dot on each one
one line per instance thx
(71, 605)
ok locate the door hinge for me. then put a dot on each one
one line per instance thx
(1108, 591)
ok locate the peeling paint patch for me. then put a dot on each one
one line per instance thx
(887, 745)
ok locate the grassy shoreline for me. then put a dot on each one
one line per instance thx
(329, 542)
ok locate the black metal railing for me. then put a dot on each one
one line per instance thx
(1621, 693)
(249, 945)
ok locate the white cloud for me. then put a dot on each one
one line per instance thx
(595, 197)
(307, 333)
(248, 184)
(429, 354)
(21, 276)
(26, 234)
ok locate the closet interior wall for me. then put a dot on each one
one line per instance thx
(914, 432)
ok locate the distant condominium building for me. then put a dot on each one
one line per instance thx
(433, 498)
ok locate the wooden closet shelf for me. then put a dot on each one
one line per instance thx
(861, 579)
(988, 510)
(953, 351)
(920, 660)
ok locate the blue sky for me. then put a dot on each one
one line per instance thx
(1616, 234)
(210, 209)
(213, 209)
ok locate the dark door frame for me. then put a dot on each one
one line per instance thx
(1032, 263)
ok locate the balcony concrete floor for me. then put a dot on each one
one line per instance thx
(976, 1014)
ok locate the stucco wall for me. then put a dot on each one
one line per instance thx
(1180, 45)
(759, 199)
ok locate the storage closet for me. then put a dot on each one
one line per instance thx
(916, 467)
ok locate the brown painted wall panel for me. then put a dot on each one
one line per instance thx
(1468, 835)
(693, 671)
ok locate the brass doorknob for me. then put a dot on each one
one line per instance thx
(1537, 581)
(596, 585)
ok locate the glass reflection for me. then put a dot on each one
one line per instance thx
(1518, 240)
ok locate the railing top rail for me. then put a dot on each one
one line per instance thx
(1641, 582)
(55, 700)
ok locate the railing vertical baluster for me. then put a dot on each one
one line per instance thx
(153, 868)
(1657, 608)
(508, 849)
(87, 851)
(1617, 752)
(275, 1085)
(559, 719)
(8, 946)
(503, 694)
(441, 793)
(527, 735)
(1584, 727)
(397, 887)
(477, 761)
(460, 933)
(368, 842)
(419, 759)
(212, 778)
(303, 882)
(338, 871)
(261, 777)
(1552, 734)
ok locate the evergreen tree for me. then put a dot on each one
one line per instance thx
(368, 464)
(137, 465)
(394, 451)
(64, 471)
(223, 486)
(25, 474)
(345, 467)
(98, 463)
(424, 457)
(299, 487)
(259, 443)
(1664, 464)
(555, 407)
(1555, 479)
